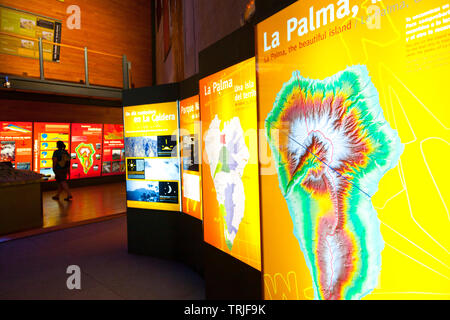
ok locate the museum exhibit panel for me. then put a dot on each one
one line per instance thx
(16, 144)
(152, 156)
(45, 137)
(350, 125)
(113, 150)
(190, 143)
(30, 146)
(155, 222)
(230, 168)
(300, 155)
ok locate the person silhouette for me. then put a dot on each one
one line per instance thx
(61, 165)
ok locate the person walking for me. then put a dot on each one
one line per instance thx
(61, 165)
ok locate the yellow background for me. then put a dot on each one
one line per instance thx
(167, 127)
(51, 145)
(145, 129)
(246, 245)
(190, 122)
(10, 23)
(412, 200)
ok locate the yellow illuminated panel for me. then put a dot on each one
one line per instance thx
(354, 153)
(152, 156)
(230, 168)
(25, 29)
(190, 139)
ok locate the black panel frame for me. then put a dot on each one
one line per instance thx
(227, 278)
(234, 48)
(152, 232)
(148, 95)
(61, 87)
(12, 94)
(170, 235)
(190, 239)
(189, 87)
(267, 8)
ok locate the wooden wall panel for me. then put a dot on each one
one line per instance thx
(113, 26)
(40, 111)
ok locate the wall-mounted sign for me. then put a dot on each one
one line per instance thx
(152, 156)
(353, 199)
(230, 167)
(113, 150)
(16, 144)
(86, 150)
(190, 137)
(31, 27)
(46, 135)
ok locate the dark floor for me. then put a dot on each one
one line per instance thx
(35, 267)
(88, 203)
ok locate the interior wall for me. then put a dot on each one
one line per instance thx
(190, 38)
(216, 19)
(112, 26)
(170, 41)
(204, 22)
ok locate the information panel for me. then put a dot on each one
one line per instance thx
(16, 144)
(190, 133)
(29, 27)
(113, 150)
(230, 166)
(152, 156)
(45, 137)
(354, 169)
(86, 150)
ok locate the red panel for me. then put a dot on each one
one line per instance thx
(86, 150)
(46, 134)
(16, 143)
(113, 150)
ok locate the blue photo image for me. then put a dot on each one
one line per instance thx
(141, 147)
(47, 172)
(23, 165)
(145, 191)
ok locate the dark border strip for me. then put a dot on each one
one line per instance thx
(267, 8)
(147, 95)
(55, 98)
(189, 87)
(61, 88)
(234, 48)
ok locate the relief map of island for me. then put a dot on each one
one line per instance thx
(332, 145)
(228, 155)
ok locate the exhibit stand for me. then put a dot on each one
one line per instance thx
(209, 228)
(190, 235)
(157, 227)
(16, 214)
(212, 230)
(232, 249)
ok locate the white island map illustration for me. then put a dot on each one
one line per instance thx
(228, 155)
